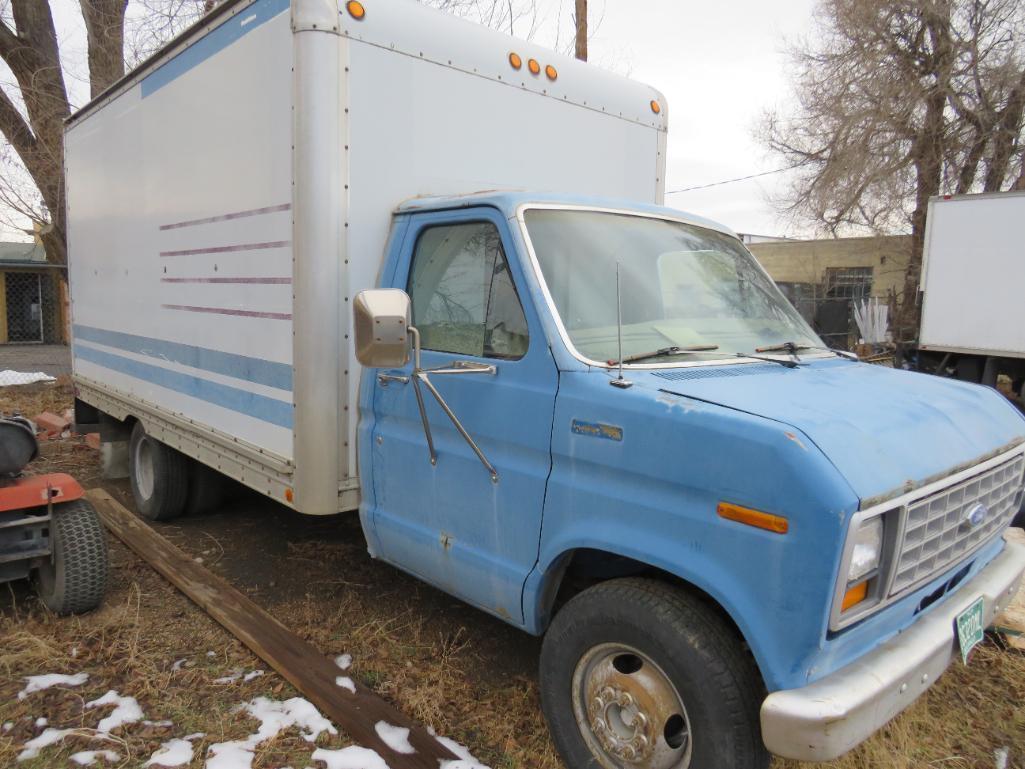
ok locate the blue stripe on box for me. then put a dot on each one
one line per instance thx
(255, 370)
(253, 405)
(217, 40)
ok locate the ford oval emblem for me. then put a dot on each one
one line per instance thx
(976, 515)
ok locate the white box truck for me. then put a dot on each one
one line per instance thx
(973, 272)
(372, 256)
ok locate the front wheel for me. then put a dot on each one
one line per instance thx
(637, 673)
(75, 577)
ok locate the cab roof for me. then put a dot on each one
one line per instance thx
(510, 202)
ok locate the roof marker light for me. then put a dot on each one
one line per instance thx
(356, 9)
(656, 107)
(534, 67)
(515, 61)
(551, 72)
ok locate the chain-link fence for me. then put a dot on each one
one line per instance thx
(31, 307)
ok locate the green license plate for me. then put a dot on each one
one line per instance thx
(970, 629)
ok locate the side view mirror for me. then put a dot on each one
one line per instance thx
(381, 321)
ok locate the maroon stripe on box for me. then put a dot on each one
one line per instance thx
(228, 217)
(263, 281)
(226, 311)
(228, 249)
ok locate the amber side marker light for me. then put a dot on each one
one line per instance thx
(656, 107)
(288, 495)
(534, 67)
(515, 61)
(756, 518)
(356, 9)
(854, 596)
(551, 72)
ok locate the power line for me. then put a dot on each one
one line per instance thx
(731, 181)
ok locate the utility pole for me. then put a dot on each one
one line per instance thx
(581, 22)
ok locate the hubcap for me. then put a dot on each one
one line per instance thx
(628, 710)
(144, 468)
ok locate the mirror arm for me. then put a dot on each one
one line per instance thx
(421, 375)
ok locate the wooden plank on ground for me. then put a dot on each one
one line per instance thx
(299, 661)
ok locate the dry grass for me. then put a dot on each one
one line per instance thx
(464, 673)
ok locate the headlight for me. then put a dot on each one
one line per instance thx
(868, 548)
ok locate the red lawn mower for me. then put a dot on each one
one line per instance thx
(48, 530)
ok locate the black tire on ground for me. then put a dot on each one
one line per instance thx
(159, 476)
(75, 577)
(207, 489)
(644, 638)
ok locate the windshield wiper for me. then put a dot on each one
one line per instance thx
(665, 351)
(780, 361)
(793, 347)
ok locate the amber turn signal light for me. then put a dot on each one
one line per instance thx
(356, 9)
(854, 595)
(756, 518)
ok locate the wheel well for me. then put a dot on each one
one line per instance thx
(585, 567)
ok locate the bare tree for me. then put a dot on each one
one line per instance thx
(897, 101)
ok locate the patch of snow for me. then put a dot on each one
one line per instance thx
(466, 759)
(346, 683)
(74, 651)
(177, 665)
(49, 737)
(10, 377)
(194, 736)
(251, 675)
(274, 717)
(344, 661)
(41, 722)
(8, 725)
(211, 654)
(230, 678)
(352, 757)
(174, 752)
(126, 711)
(39, 683)
(395, 737)
(88, 757)
(158, 724)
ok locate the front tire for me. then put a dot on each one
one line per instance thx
(75, 578)
(159, 476)
(637, 673)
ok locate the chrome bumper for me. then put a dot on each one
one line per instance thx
(827, 718)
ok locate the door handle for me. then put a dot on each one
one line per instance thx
(385, 379)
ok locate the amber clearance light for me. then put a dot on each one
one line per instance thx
(356, 9)
(534, 67)
(656, 107)
(515, 61)
(552, 73)
(774, 523)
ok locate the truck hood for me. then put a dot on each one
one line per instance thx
(885, 430)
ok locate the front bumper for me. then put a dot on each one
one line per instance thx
(827, 718)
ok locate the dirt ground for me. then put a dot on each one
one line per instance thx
(461, 672)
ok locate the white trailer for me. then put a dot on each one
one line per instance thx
(228, 198)
(973, 271)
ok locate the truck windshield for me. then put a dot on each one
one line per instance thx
(682, 285)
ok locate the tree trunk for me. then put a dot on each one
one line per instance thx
(105, 30)
(581, 22)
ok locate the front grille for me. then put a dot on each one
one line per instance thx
(937, 532)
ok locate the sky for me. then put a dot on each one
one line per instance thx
(719, 64)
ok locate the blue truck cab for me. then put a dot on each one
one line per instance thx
(602, 422)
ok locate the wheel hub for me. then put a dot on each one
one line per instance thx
(621, 727)
(629, 712)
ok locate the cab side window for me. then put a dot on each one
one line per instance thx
(464, 300)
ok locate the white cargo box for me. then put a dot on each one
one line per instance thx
(228, 198)
(973, 273)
